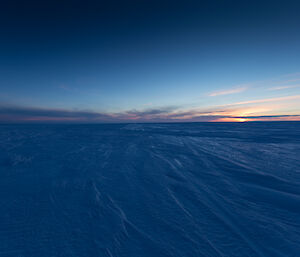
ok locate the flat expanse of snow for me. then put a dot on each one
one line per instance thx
(199, 189)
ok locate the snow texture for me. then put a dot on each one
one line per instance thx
(132, 190)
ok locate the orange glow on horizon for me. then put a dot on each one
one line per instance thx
(231, 120)
(257, 119)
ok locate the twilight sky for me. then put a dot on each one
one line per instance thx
(139, 61)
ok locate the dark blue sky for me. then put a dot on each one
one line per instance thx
(149, 60)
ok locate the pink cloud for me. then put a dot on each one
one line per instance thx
(229, 91)
(266, 100)
(283, 87)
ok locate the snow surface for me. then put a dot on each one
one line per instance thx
(203, 189)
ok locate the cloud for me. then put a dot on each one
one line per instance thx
(273, 83)
(229, 91)
(165, 114)
(65, 87)
(283, 87)
(12, 114)
(266, 100)
(27, 114)
(156, 111)
(266, 116)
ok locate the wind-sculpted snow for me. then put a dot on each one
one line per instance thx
(203, 189)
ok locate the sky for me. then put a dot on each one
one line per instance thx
(149, 61)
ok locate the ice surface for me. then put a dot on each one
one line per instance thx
(203, 189)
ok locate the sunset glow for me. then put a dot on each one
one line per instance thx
(149, 65)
